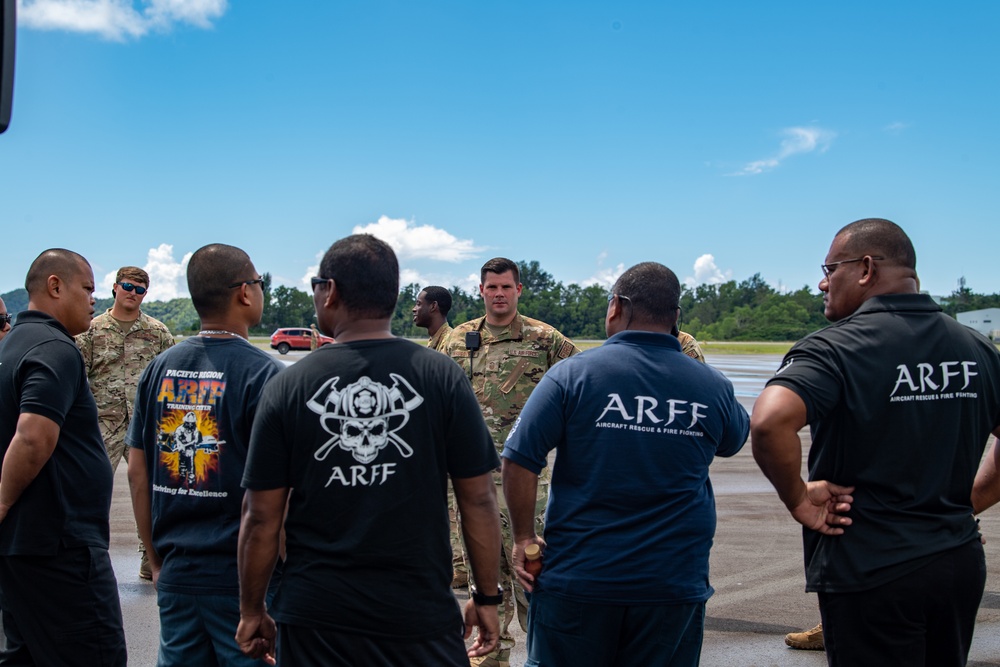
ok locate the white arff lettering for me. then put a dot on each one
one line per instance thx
(615, 404)
(358, 475)
(674, 410)
(945, 370)
(925, 378)
(642, 401)
(904, 376)
(934, 377)
(695, 414)
(967, 367)
(646, 411)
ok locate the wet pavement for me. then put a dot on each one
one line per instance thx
(756, 563)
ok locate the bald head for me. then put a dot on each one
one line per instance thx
(53, 262)
(881, 237)
(210, 272)
(60, 283)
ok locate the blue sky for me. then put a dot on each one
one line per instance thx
(721, 138)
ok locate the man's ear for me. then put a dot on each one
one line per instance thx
(332, 295)
(869, 274)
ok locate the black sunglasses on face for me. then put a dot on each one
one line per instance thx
(6, 319)
(129, 287)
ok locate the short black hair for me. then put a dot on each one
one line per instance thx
(366, 272)
(878, 236)
(210, 271)
(653, 292)
(440, 296)
(499, 265)
(52, 262)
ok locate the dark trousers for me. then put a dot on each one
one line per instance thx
(299, 646)
(925, 618)
(566, 632)
(62, 610)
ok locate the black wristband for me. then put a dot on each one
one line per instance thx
(481, 600)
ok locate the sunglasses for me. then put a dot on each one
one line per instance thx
(129, 287)
(6, 319)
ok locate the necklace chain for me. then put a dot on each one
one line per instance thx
(218, 332)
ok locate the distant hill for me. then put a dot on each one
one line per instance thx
(16, 301)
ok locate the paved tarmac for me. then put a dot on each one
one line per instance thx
(756, 564)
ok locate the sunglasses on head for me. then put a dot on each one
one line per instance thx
(6, 319)
(129, 287)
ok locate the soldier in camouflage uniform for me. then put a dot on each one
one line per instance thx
(689, 346)
(431, 312)
(116, 348)
(515, 353)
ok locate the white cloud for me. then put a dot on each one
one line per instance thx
(407, 276)
(896, 127)
(605, 277)
(706, 271)
(167, 276)
(796, 140)
(312, 270)
(117, 19)
(412, 241)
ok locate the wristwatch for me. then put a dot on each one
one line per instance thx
(481, 600)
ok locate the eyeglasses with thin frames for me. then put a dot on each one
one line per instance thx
(129, 287)
(828, 269)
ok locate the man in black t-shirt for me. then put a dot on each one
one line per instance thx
(59, 593)
(367, 433)
(188, 440)
(901, 400)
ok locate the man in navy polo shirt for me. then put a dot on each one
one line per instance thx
(631, 515)
(901, 400)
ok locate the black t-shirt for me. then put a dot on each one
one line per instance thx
(68, 503)
(365, 434)
(901, 400)
(194, 408)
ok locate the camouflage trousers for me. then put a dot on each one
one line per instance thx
(114, 445)
(514, 599)
(114, 442)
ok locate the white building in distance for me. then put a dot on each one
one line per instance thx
(986, 321)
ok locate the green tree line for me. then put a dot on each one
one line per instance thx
(746, 310)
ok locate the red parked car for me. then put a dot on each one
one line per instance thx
(295, 338)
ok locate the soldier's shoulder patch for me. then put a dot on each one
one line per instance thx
(565, 350)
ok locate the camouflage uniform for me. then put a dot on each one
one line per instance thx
(438, 340)
(505, 371)
(690, 347)
(115, 359)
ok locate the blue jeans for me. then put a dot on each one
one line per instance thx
(566, 632)
(200, 630)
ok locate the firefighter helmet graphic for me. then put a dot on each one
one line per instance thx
(364, 416)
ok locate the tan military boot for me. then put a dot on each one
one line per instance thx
(500, 658)
(807, 640)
